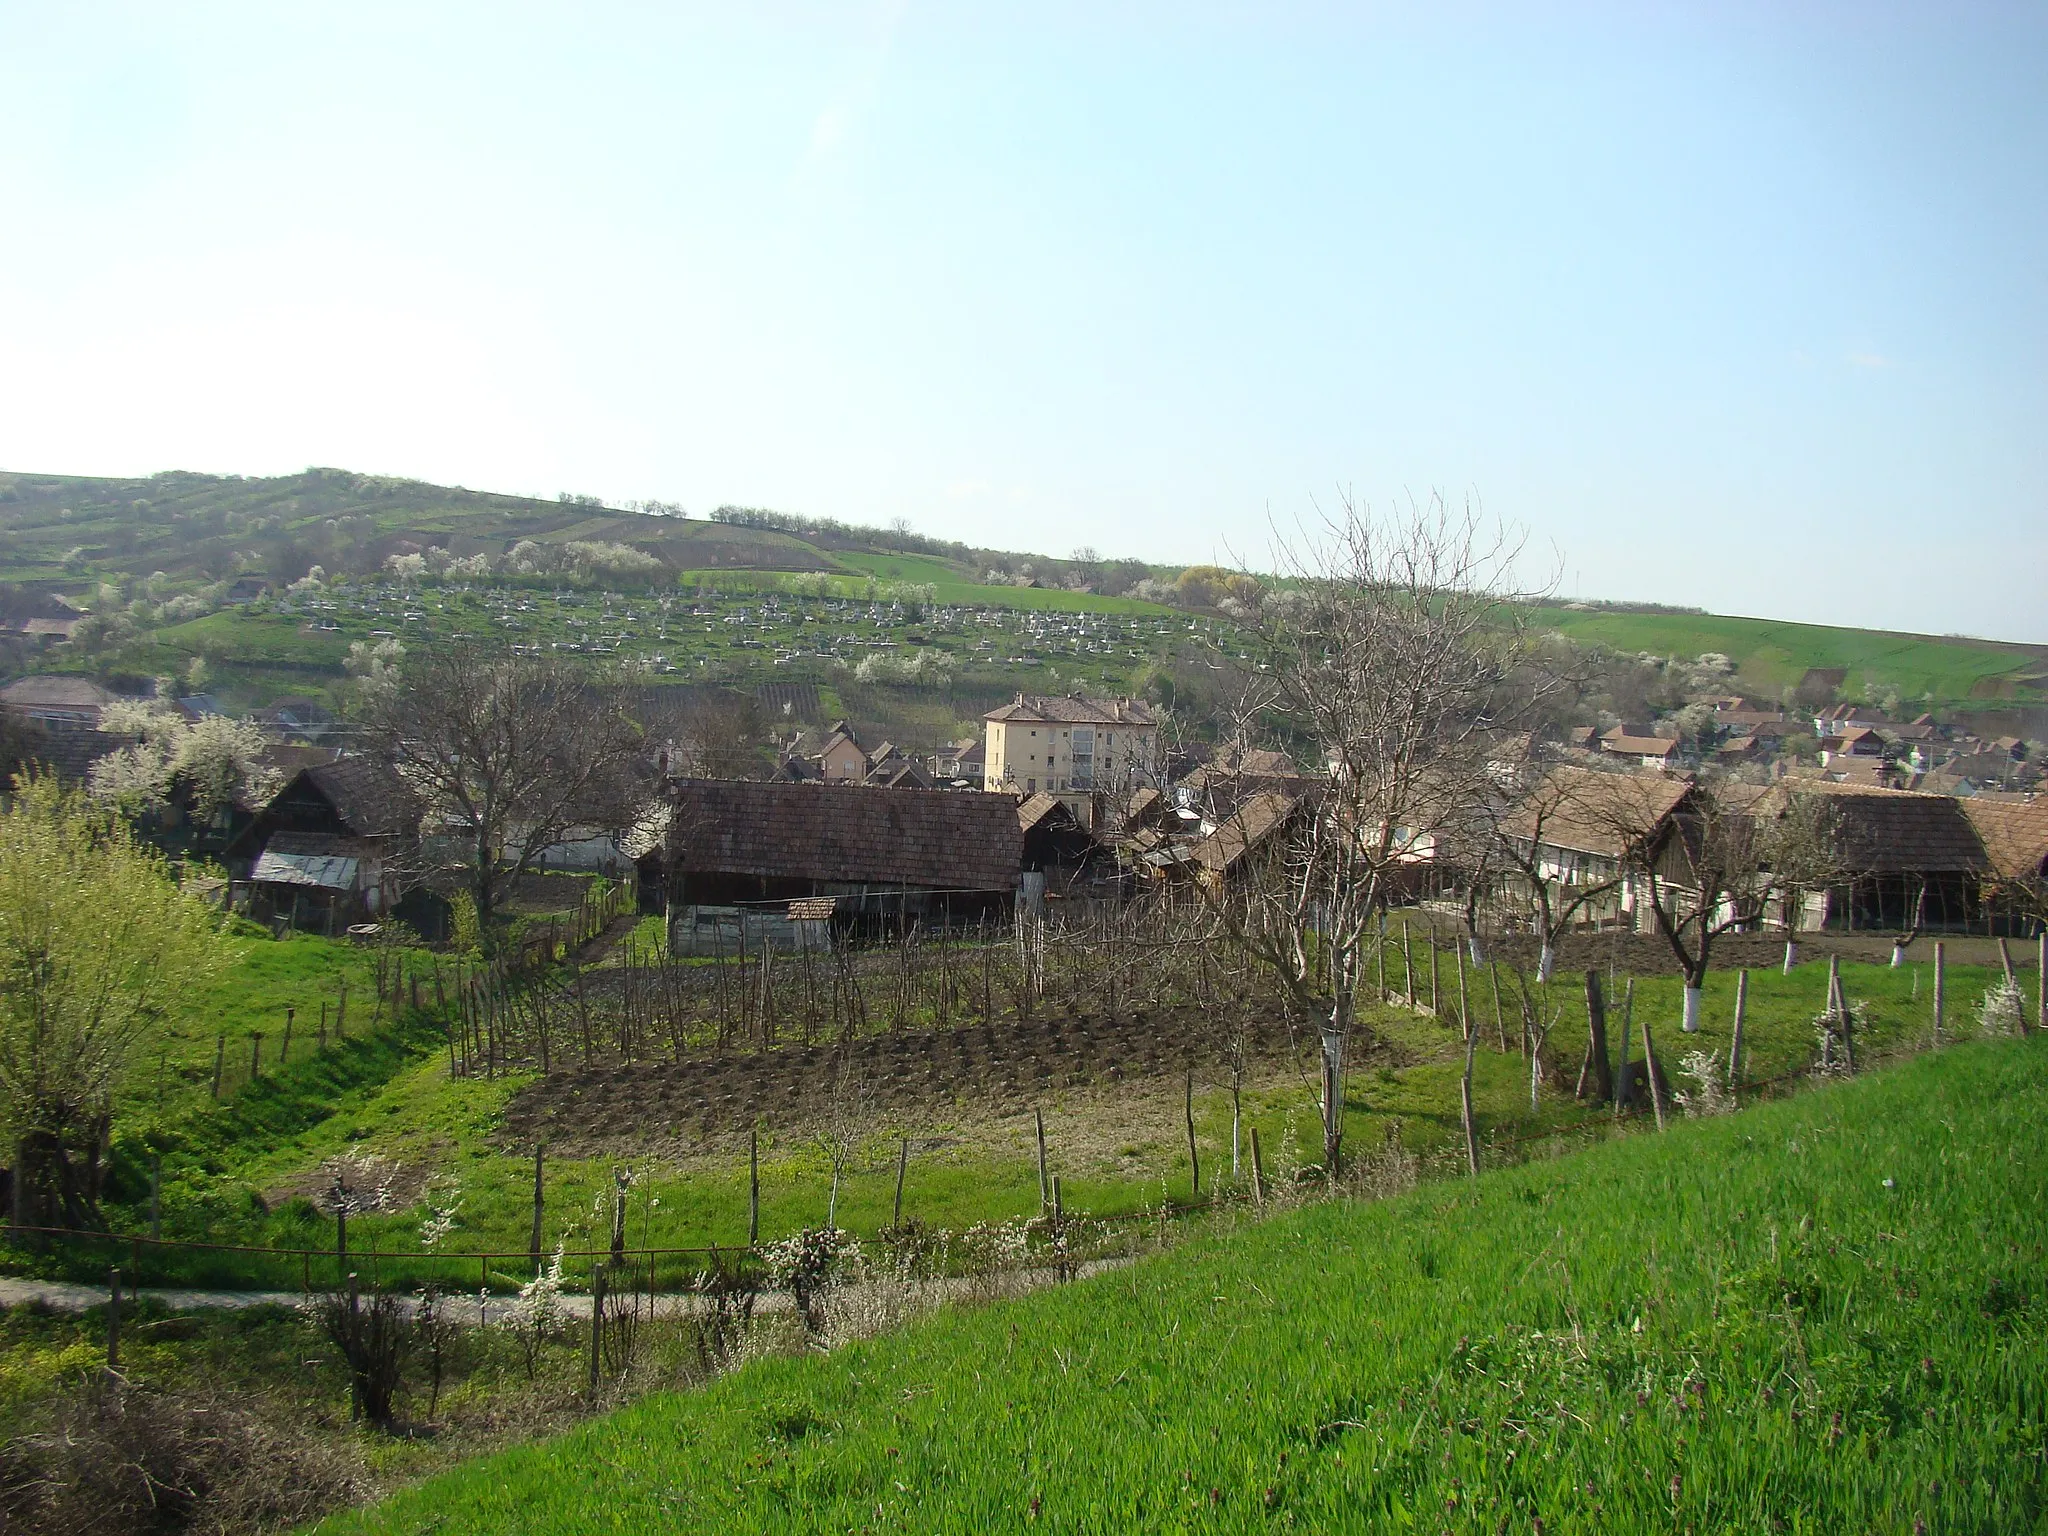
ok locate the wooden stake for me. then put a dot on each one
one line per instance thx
(596, 1323)
(1435, 973)
(1044, 1188)
(1940, 985)
(753, 1186)
(1194, 1157)
(1258, 1171)
(1735, 1039)
(113, 1319)
(2041, 984)
(1596, 1042)
(1650, 1071)
(902, 1167)
(1625, 1086)
(539, 1203)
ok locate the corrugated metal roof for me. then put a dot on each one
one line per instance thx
(320, 871)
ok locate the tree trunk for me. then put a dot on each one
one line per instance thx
(1333, 1087)
(1691, 1022)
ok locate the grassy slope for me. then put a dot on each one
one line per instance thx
(1824, 1314)
(1770, 654)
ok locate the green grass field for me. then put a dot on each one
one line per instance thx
(1825, 1314)
(1771, 655)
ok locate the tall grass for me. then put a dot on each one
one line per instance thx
(1825, 1314)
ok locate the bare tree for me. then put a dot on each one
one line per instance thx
(510, 755)
(714, 737)
(1720, 861)
(1396, 652)
(1564, 840)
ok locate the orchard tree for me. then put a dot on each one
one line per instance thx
(511, 756)
(1720, 861)
(99, 952)
(1396, 652)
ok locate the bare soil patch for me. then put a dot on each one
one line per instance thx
(992, 1072)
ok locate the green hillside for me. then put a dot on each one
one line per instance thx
(1771, 655)
(1826, 1314)
(173, 546)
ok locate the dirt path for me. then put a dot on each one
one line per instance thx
(470, 1311)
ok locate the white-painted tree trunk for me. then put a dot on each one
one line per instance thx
(1791, 956)
(1476, 949)
(1546, 961)
(1898, 956)
(1692, 1010)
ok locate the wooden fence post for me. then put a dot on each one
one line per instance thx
(1194, 1156)
(1258, 1171)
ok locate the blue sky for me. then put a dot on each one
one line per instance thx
(1744, 307)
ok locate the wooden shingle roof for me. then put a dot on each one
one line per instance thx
(930, 839)
(370, 799)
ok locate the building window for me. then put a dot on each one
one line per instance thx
(1084, 757)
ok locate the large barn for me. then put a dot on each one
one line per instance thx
(738, 852)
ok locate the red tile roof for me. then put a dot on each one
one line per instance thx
(1071, 710)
